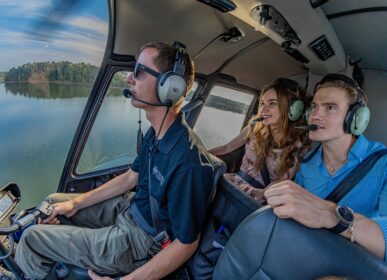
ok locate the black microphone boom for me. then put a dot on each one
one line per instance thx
(128, 94)
(311, 127)
(257, 119)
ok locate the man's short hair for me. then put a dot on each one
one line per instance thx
(354, 91)
(165, 61)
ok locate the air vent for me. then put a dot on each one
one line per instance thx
(322, 48)
(221, 5)
(286, 46)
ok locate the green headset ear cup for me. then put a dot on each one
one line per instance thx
(360, 120)
(295, 110)
(307, 114)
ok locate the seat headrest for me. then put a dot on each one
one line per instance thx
(266, 247)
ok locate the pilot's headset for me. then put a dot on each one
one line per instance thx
(358, 114)
(171, 84)
(296, 105)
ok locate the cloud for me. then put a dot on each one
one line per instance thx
(85, 25)
(85, 42)
(25, 8)
(89, 23)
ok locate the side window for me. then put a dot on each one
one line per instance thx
(222, 116)
(191, 92)
(113, 139)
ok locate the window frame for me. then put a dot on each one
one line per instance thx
(114, 169)
(225, 81)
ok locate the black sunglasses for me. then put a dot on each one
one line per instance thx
(139, 68)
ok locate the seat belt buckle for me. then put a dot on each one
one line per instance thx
(162, 239)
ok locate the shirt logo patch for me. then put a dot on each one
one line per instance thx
(156, 172)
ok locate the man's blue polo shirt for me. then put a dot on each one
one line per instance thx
(181, 177)
(368, 197)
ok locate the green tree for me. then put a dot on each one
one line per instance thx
(63, 71)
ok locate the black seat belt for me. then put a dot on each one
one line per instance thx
(252, 181)
(355, 176)
(162, 238)
(265, 175)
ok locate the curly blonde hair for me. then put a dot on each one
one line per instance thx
(291, 141)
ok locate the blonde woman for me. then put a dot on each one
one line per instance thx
(272, 141)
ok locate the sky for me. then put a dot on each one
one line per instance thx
(52, 30)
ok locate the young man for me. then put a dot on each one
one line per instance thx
(113, 233)
(361, 215)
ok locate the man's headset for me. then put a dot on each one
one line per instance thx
(170, 85)
(296, 105)
(358, 115)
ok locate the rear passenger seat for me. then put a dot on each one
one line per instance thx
(229, 207)
(266, 247)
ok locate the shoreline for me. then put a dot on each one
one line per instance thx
(46, 82)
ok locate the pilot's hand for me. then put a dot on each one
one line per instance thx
(255, 193)
(94, 276)
(290, 200)
(66, 208)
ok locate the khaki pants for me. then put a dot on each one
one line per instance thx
(103, 238)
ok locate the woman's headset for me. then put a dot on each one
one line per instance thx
(358, 115)
(171, 84)
(296, 105)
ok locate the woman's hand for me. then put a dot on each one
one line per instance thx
(256, 194)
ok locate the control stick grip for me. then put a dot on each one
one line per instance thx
(45, 209)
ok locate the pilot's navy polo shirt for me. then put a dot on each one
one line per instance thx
(181, 177)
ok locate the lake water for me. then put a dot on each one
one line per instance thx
(37, 125)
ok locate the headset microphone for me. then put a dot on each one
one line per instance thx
(128, 94)
(311, 127)
(257, 119)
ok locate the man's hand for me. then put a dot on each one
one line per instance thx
(290, 200)
(66, 208)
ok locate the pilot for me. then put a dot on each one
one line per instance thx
(153, 233)
(272, 140)
(339, 110)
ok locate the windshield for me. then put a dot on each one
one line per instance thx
(50, 53)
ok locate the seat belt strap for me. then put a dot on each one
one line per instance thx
(355, 176)
(162, 238)
(252, 181)
(265, 175)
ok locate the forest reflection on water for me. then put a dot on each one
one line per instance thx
(38, 122)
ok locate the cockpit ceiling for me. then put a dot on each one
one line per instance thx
(265, 63)
(195, 24)
(363, 35)
(361, 41)
(360, 36)
(331, 7)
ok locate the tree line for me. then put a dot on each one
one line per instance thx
(63, 71)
